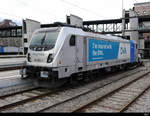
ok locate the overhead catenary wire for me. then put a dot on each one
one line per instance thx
(29, 6)
(50, 14)
(82, 8)
(136, 1)
(9, 14)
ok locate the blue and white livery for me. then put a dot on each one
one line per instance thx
(103, 50)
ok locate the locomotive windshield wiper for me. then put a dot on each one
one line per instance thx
(43, 39)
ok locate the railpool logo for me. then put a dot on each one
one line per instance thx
(123, 50)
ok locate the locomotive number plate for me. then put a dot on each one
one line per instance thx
(44, 74)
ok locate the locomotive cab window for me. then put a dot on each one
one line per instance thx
(72, 41)
(44, 39)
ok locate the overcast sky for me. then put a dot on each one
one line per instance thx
(49, 11)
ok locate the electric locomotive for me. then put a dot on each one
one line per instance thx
(56, 54)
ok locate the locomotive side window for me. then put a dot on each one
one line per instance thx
(72, 41)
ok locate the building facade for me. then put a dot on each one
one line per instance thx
(143, 9)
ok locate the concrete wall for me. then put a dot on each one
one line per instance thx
(134, 25)
(31, 26)
(142, 8)
(141, 43)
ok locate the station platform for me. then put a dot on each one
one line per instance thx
(11, 62)
(146, 62)
(12, 56)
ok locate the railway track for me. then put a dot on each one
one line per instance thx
(121, 99)
(78, 103)
(49, 100)
(18, 85)
(24, 96)
(141, 104)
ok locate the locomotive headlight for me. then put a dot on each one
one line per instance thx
(29, 57)
(50, 58)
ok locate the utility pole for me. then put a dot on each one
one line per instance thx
(123, 19)
(23, 21)
(122, 5)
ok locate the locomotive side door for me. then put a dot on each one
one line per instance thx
(79, 53)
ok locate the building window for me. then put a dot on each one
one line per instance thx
(13, 32)
(24, 27)
(25, 40)
(147, 43)
(138, 13)
(19, 32)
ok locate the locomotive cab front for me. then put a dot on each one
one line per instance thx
(41, 54)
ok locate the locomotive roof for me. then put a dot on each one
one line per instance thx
(79, 31)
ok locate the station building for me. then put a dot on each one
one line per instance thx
(143, 9)
(10, 40)
(19, 36)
